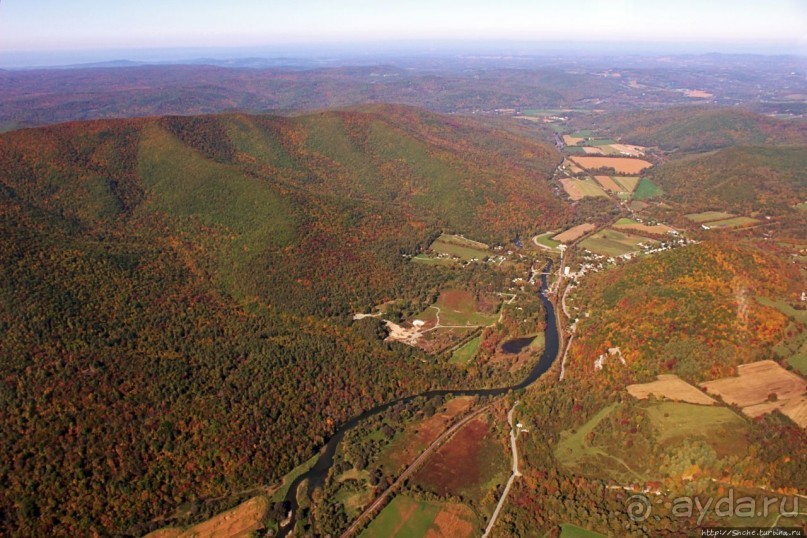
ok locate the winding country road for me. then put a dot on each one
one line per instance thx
(516, 472)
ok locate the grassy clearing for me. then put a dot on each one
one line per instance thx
(677, 419)
(646, 189)
(572, 531)
(546, 240)
(708, 216)
(794, 347)
(460, 247)
(735, 222)
(458, 307)
(466, 352)
(613, 243)
(405, 517)
(422, 258)
(572, 446)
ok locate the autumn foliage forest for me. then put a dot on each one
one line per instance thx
(177, 292)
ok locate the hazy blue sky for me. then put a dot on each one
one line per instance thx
(36, 25)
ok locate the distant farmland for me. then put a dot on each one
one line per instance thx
(613, 243)
(623, 165)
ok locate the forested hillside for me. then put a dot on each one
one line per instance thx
(175, 291)
(740, 179)
(699, 129)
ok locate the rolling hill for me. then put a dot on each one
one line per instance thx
(744, 179)
(697, 129)
(175, 291)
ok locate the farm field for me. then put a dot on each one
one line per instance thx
(575, 233)
(630, 224)
(466, 352)
(628, 183)
(609, 184)
(407, 445)
(469, 465)
(590, 150)
(570, 140)
(623, 165)
(646, 189)
(614, 243)
(708, 216)
(406, 517)
(463, 248)
(577, 189)
(240, 522)
(572, 531)
(676, 420)
(459, 307)
(754, 387)
(735, 222)
(422, 258)
(629, 149)
(670, 387)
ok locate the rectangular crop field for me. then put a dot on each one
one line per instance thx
(573, 234)
(633, 151)
(622, 165)
(630, 224)
(405, 517)
(761, 387)
(708, 216)
(670, 387)
(581, 188)
(628, 183)
(607, 183)
(570, 140)
(735, 222)
(589, 150)
(613, 243)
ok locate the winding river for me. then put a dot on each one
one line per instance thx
(319, 472)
